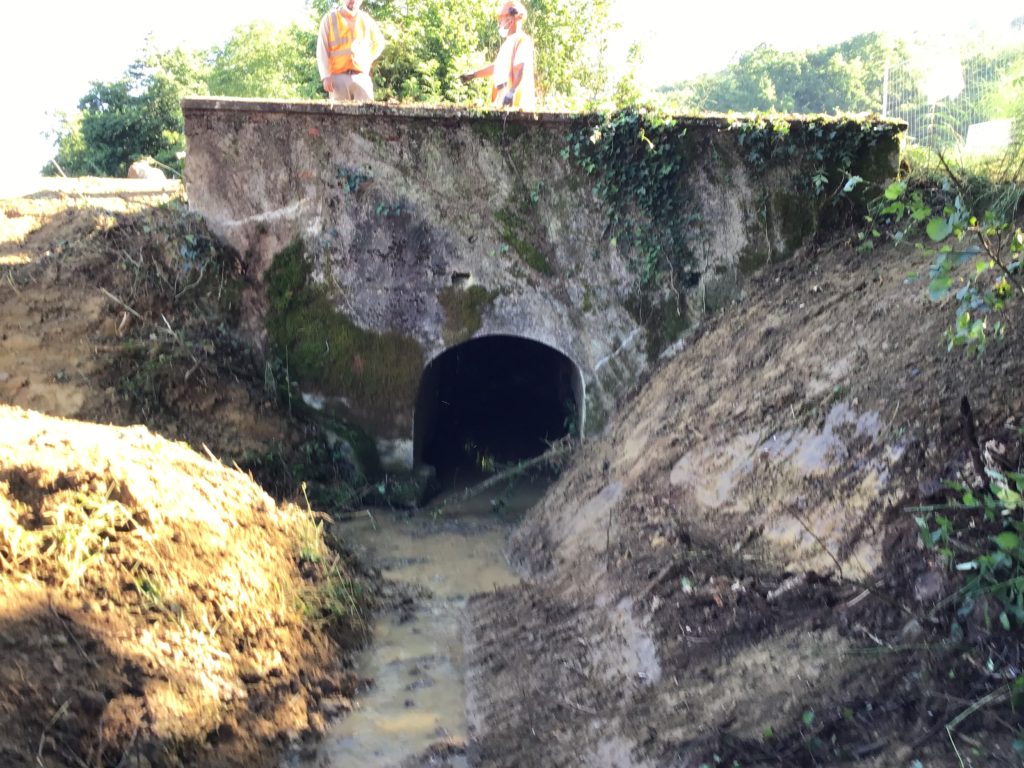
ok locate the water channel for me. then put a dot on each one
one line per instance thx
(449, 551)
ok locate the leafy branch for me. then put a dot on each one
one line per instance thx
(978, 258)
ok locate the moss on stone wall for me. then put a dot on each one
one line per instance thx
(664, 320)
(463, 311)
(597, 417)
(783, 223)
(491, 127)
(377, 374)
(521, 227)
(587, 305)
(796, 218)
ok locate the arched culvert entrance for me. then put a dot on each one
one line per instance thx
(493, 401)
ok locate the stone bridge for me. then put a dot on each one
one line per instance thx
(414, 271)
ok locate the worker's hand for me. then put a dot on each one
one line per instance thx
(328, 83)
(467, 76)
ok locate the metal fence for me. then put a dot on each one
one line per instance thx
(966, 99)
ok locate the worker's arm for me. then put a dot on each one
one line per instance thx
(376, 40)
(322, 63)
(516, 76)
(485, 72)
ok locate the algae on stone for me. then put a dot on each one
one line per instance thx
(463, 311)
(377, 374)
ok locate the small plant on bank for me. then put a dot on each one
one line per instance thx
(981, 538)
(994, 571)
(966, 221)
(978, 249)
(334, 597)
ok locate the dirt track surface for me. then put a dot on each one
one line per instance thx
(731, 573)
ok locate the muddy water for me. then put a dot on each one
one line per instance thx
(450, 551)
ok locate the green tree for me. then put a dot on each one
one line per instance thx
(188, 70)
(845, 77)
(136, 116)
(263, 61)
(429, 45)
(570, 37)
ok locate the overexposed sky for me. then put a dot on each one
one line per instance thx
(683, 39)
(680, 39)
(102, 38)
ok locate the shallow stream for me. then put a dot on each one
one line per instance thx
(451, 550)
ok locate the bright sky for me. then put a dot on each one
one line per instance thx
(680, 39)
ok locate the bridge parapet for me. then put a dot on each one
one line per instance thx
(380, 236)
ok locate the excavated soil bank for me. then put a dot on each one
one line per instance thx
(157, 606)
(730, 576)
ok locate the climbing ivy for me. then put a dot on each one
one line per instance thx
(827, 149)
(638, 159)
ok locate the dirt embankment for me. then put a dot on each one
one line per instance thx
(733, 576)
(157, 607)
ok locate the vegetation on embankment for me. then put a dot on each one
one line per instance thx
(157, 606)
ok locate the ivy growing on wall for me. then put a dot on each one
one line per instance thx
(826, 149)
(638, 160)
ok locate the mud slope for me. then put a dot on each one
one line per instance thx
(731, 574)
(157, 606)
(115, 307)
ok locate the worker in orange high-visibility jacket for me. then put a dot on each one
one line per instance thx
(348, 44)
(512, 73)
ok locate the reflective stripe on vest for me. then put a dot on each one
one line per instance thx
(339, 42)
(498, 89)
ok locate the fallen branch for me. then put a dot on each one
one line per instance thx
(578, 707)
(971, 439)
(995, 697)
(42, 737)
(556, 451)
(112, 296)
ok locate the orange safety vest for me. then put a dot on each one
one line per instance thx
(341, 34)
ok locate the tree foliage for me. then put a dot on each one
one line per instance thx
(845, 77)
(263, 61)
(429, 44)
(119, 122)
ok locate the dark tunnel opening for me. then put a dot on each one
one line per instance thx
(491, 402)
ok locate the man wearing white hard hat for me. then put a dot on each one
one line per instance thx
(512, 73)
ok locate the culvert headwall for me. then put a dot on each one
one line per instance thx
(377, 237)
